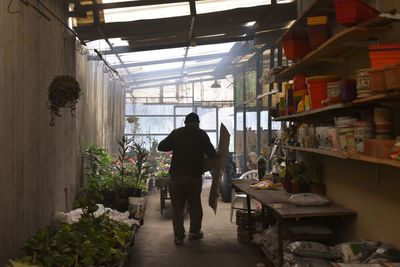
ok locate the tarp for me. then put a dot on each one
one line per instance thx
(223, 148)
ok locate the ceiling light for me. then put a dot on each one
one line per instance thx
(250, 23)
(215, 84)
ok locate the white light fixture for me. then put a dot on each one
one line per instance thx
(215, 84)
(250, 23)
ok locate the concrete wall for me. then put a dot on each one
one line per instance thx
(39, 163)
(371, 190)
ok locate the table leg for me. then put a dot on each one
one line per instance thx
(280, 241)
(249, 214)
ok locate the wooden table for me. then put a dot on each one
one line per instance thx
(162, 183)
(277, 203)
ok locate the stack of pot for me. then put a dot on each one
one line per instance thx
(362, 130)
(383, 123)
(363, 83)
(345, 130)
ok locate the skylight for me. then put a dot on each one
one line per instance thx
(209, 6)
(112, 59)
(210, 49)
(158, 67)
(202, 63)
(153, 55)
(103, 45)
(145, 12)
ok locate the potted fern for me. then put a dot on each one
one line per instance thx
(64, 92)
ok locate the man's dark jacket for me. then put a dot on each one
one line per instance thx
(188, 145)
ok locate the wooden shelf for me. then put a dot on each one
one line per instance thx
(316, 9)
(326, 152)
(343, 155)
(387, 95)
(311, 112)
(259, 97)
(249, 101)
(336, 48)
(331, 51)
(267, 94)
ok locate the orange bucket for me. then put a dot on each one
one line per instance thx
(318, 88)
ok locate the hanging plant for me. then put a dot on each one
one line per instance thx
(64, 92)
(132, 119)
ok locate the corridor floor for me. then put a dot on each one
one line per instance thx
(154, 246)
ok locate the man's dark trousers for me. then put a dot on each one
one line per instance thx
(184, 188)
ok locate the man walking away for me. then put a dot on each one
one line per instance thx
(188, 145)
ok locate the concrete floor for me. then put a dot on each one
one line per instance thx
(154, 244)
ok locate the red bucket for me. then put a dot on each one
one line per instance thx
(317, 88)
(384, 55)
(296, 46)
(351, 12)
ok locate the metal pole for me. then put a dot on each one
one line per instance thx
(192, 96)
(217, 119)
(244, 125)
(234, 114)
(174, 117)
(271, 87)
(259, 61)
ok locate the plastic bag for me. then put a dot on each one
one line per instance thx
(315, 250)
(385, 251)
(309, 199)
(357, 251)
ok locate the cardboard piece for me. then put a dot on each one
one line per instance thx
(223, 149)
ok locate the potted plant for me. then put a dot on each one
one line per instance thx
(64, 92)
(141, 168)
(296, 175)
(314, 174)
(98, 167)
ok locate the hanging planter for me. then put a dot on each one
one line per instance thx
(132, 119)
(64, 92)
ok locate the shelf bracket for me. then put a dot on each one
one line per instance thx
(377, 174)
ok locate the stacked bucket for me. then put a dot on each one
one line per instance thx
(317, 30)
(383, 123)
(362, 130)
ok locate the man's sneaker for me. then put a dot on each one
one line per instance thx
(178, 241)
(196, 236)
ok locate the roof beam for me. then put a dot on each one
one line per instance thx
(163, 61)
(96, 18)
(176, 71)
(209, 20)
(170, 83)
(176, 78)
(237, 49)
(82, 9)
(152, 46)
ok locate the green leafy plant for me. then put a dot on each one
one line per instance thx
(63, 92)
(89, 196)
(90, 242)
(313, 173)
(142, 166)
(124, 165)
(112, 181)
(163, 165)
(296, 171)
(98, 162)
